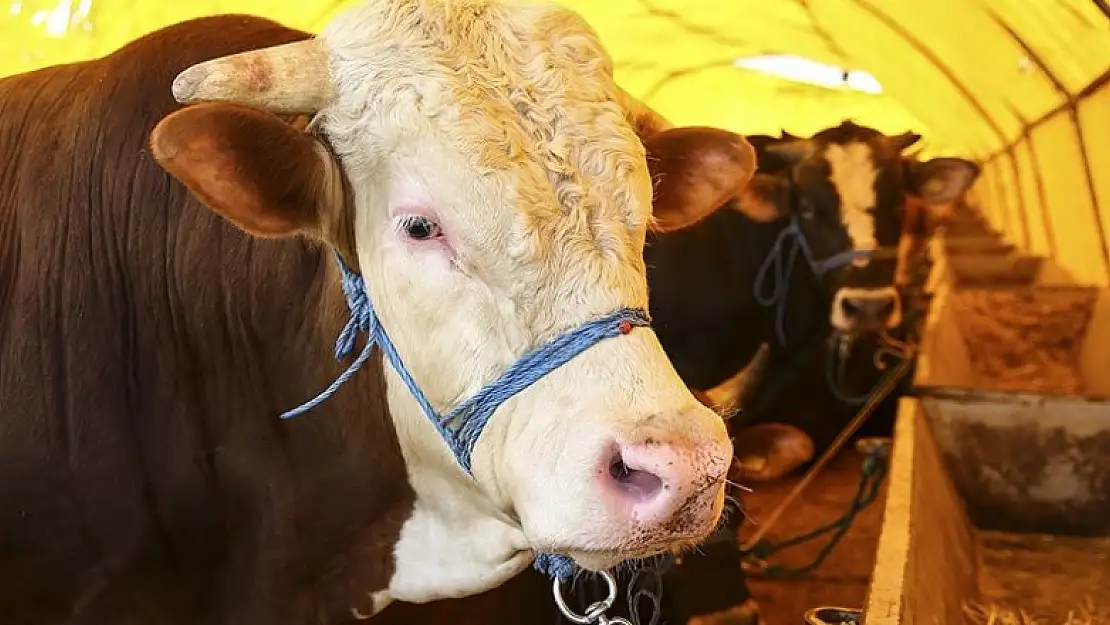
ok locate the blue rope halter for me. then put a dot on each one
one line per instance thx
(461, 427)
(782, 263)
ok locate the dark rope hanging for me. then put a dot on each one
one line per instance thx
(874, 470)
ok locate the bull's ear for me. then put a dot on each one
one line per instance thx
(646, 121)
(258, 171)
(941, 180)
(696, 170)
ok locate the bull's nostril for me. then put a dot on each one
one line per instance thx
(636, 484)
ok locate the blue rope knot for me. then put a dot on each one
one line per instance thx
(461, 427)
(362, 314)
(552, 565)
(782, 262)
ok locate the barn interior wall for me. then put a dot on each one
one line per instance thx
(1094, 118)
(1049, 192)
(1021, 85)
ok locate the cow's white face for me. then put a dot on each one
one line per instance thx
(497, 196)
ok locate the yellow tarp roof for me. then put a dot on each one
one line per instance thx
(973, 76)
(954, 70)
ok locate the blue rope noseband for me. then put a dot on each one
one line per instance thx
(461, 427)
(782, 262)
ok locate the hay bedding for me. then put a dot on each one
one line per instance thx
(978, 614)
(1030, 579)
(1025, 340)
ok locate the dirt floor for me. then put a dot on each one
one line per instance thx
(842, 580)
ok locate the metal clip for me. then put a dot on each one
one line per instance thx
(595, 614)
(844, 342)
(874, 445)
(829, 615)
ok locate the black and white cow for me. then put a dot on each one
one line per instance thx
(861, 175)
(888, 202)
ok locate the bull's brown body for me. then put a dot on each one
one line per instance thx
(146, 350)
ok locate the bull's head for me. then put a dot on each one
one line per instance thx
(480, 168)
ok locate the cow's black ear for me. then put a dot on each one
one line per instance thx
(261, 173)
(696, 170)
(792, 151)
(942, 180)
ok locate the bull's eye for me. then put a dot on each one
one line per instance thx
(419, 227)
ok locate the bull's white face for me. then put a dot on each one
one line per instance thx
(499, 197)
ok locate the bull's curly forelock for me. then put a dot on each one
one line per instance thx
(529, 94)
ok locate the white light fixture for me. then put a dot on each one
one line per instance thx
(801, 69)
(57, 21)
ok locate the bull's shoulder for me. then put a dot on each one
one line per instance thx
(74, 161)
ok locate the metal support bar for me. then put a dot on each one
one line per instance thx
(1104, 7)
(1042, 199)
(1072, 108)
(1015, 171)
(1095, 85)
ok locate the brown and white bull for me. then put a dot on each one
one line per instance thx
(477, 164)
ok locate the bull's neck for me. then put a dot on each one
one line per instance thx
(338, 468)
(457, 541)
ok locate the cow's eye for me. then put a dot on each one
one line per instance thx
(806, 209)
(419, 227)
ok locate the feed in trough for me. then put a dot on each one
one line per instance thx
(1025, 340)
(1036, 579)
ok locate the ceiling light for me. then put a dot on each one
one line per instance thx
(801, 69)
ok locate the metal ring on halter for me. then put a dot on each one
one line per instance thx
(832, 615)
(596, 612)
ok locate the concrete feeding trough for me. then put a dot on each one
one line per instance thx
(999, 492)
(992, 268)
(1038, 339)
(978, 244)
(984, 268)
(943, 559)
(1016, 385)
